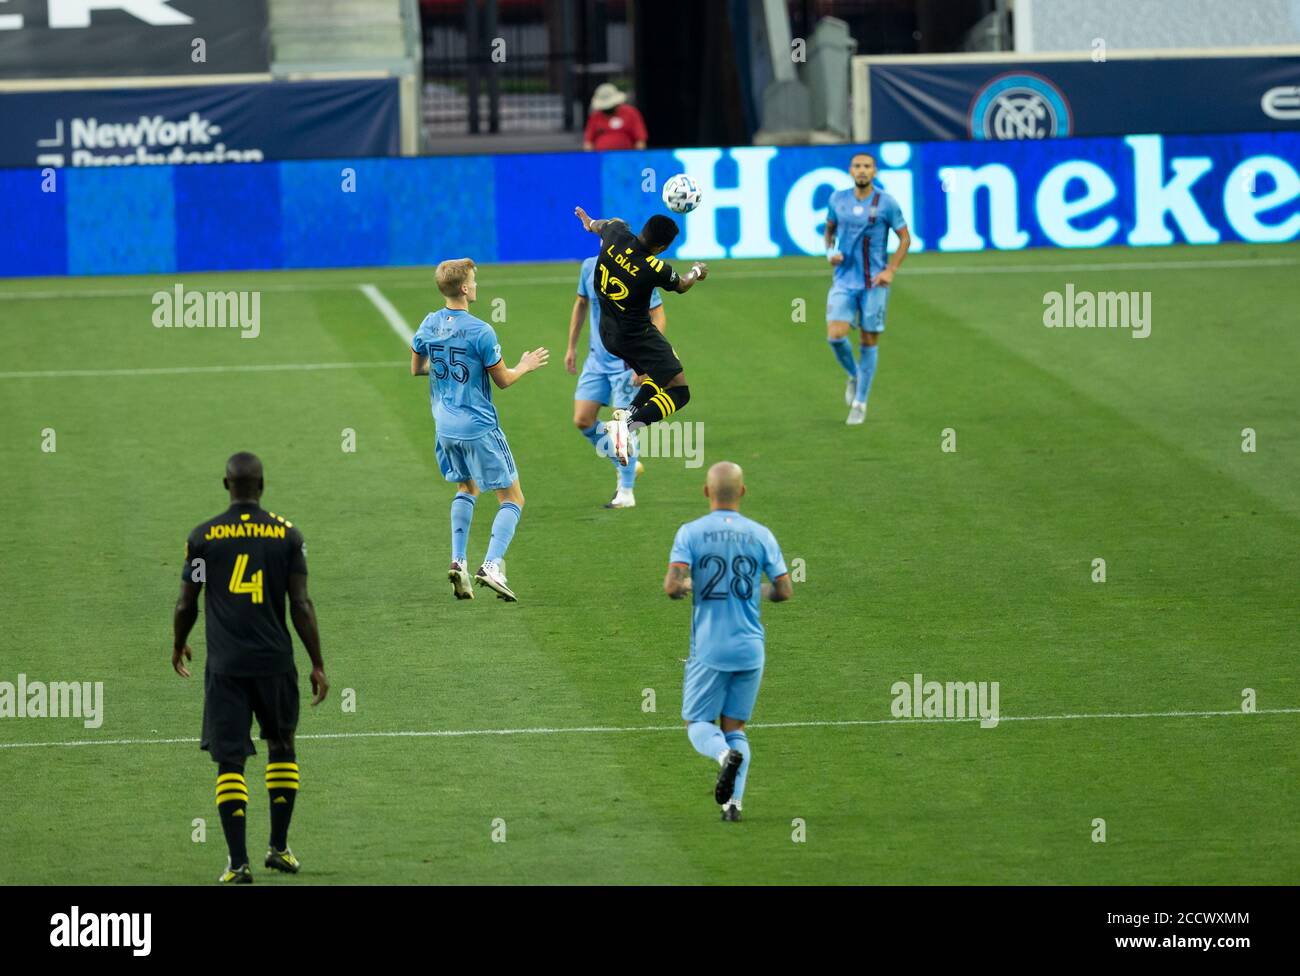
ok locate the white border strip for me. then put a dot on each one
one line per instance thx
(394, 317)
(606, 730)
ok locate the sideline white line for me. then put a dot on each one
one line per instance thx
(491, 282)
(604, 730)
(394, 317)
(181, 370)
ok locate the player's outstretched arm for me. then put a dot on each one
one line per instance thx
(596, 227)
(677, 583)
(779, 590)
(576, 318)
(183, 618)
(699, 271)
(503, 376)
(303, 613)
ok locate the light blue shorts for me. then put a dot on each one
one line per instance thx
(486, 460)
(612, 389)
(861, 307)
(708, 693)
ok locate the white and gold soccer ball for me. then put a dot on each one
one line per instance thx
(682, 194)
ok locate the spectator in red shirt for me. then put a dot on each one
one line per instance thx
(613, 124)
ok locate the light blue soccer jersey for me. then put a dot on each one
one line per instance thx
(599, 360)
(460, 348)
(728, 555)
(862, 231)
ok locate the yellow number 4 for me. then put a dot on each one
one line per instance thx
(252, 585)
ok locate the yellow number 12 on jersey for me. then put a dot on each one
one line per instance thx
(619, 291)
(252, 585)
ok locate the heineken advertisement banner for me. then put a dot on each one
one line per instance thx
(763, 201)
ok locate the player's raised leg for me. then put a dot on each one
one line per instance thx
(491, 574)
(738, 706)
(653, 402)
(462, 516)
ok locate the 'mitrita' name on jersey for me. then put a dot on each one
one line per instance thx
(626, 277)
(245, 556)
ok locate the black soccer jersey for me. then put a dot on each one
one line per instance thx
(626, 276)
(245, 556)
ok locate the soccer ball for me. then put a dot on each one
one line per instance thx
(682, 194)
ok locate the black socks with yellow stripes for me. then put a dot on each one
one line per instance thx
(653, 403)
(282, 788)
(232, 805)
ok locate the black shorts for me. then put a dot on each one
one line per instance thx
(646, 351)
(229, 704)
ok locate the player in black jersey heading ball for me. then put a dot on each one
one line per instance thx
(627, 273)
(250, 558)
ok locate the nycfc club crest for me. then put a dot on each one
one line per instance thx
(1019, 106)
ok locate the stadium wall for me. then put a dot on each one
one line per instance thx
(1145, 190)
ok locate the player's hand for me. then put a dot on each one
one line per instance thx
(534, 359)
(319, 686)
(179, 658)
(571, 361)
(836, 259)
(701, 270)
(884, 278)
(582, 215)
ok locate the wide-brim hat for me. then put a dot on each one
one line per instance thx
(606, 96)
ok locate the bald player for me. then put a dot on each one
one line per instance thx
(252, 558)
(729, 554)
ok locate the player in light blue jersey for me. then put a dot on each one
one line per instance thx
(605, 381)
(858, 221)
(459, 353)
(727, 555)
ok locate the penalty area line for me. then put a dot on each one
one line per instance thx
(606, 730)
(391, 314)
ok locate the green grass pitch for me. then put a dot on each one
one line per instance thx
(972, 565)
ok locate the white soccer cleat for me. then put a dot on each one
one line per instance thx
(857, 414)
(491, 575)
(458, 573)
(851, 391)
(623, 498)
(616, 428)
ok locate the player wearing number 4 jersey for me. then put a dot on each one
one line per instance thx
(627, 273)
(247, 560)
(721, 559)
(460, 353)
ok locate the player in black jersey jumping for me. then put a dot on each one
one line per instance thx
(251, 559)
(627, 273)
